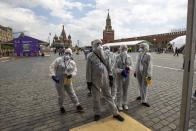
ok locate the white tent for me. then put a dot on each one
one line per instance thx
(123, 43)
(178, 42)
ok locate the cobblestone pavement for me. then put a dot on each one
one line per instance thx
(28, 99)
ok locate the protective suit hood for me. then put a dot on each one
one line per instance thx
(106, 48)
(145, 47)
(68, 54)
(68, 50)
(96, 43)
(123, 48)
(97, 47)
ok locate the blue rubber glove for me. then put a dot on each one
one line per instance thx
(127, 69)
(124, 73)
(55, 78)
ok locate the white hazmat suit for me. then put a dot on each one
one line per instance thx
(110, 58)
(143, 72)
(62, 69)
(97, 75)
(124, 69)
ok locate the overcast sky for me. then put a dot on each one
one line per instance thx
(84, 20)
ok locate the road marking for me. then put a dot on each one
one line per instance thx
(165, 67)
(165, 58)
(5, 60)
(168, 68)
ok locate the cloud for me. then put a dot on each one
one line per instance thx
(89, 27)
(57, 8)
(23, 19)
(129, 17)
(151, 16)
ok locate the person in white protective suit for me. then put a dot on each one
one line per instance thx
(124, 69)
(62, 69)
(110, 60)
(143, 72)
(98, 75)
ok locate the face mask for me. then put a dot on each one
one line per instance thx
(107, 51)
(67, 57)
(99, 48)
(124, 53)
(123, 56)
(93, 48)
(141, 49)
(100, 51)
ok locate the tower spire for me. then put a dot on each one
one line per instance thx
(63, 34)
(108, 32)
(108, 17)
(108, 26)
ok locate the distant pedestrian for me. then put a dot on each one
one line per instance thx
(194, 96)
(176, 51)
(183, 53)
(55, 50)
(0, 53)
(42, 54)
(7, 52)
(61, 50)
(62, 69)
(3, 52)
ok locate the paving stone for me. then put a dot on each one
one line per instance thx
(155, 120)
(166, 129)
(149, 123)
(170, 119)
(173, 126)
(157, 126)
(29, 99)
(164, 110)
(164, 122)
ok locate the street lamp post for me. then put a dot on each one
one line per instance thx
(49, 39)
(78, 42)
(0, 50)
(154, 43)
(77, 47)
